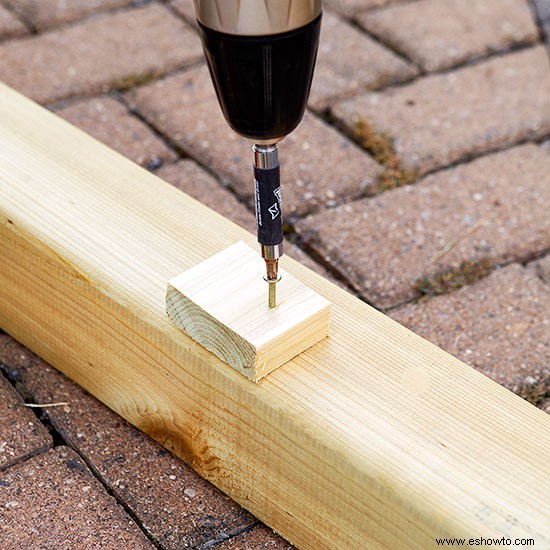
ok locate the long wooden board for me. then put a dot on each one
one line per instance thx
(373, 438)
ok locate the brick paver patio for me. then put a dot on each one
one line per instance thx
(419, 180)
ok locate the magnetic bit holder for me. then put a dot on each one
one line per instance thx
(221, 304)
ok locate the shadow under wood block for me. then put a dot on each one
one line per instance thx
(222, 304)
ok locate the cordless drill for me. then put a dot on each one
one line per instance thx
(261, 55)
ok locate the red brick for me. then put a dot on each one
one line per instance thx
(455, 31)
(443, 118)
(260, 537)
(98, 53)
(349, 61)
(185, 108)
(21, 433)
(10, 25)
(494, 207)
(44, 13)
(53, 501)
(499, 325)
(178, 508)
(110, 122)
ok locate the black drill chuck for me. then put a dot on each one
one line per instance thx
(262, 82)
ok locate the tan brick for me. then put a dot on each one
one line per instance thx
(177, 506)
(542, 268)
(44, 13)
(186, 8)
(193, 180)
(110, 122)
(494, 207)
(293, 251)
(440, 119)
(350, 8)
(454, 31)
(499, 325)
(9, 24)
(98, 53)
(542, 8)
(54, 501)
(349, 61)
(185, 108)
(21, 433)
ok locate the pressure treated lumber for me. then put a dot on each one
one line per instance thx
(373, 438)
(222, 304)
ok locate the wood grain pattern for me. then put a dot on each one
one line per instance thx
(341, 448)
(222, 304)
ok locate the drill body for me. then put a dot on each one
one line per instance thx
(261, 55)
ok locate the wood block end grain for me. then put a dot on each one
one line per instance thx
(222, 304)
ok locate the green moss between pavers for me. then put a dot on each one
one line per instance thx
(380, 146)
(453, 278)
(130, 81)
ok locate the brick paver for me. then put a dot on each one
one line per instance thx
(44, 13)
(349, 61)
(542, 8)
(10, 25)
(494, 207)
(259, 537)
(185, 8)
(350, 8)
(98, 53)
(110, 122)
(443, 118)
(499, 325)
(185, 108)
(53, 501)
(178, 508)
(21, 433)
(188, 176)
(542, 268)
(454, 31)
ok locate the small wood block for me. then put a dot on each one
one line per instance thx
(222, 304)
